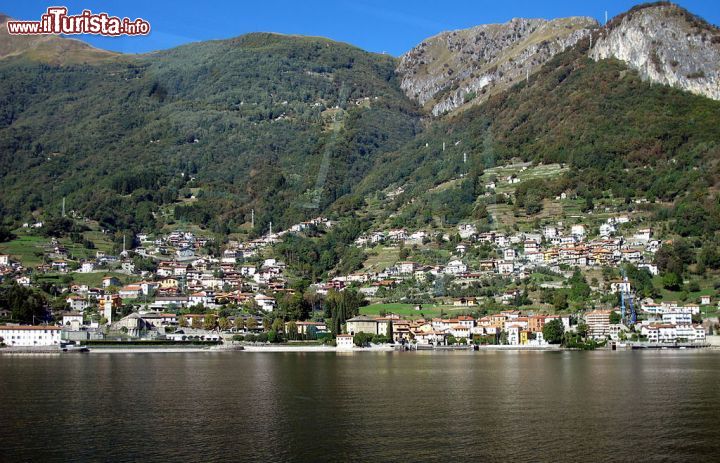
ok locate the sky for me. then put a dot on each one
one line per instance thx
(386, 26)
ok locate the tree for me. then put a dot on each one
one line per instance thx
(340, 306)
(224, 324)
(553, 331)
(291, 330)
(182, 321)
(209, 322)
(579, 288)
(196, 323)
(361, 339)
(6, 235)
(251, 323)
(294, 307)
(672, 281)
(389, 332)
(239, 323)
(273, 336)
(26, 305)
(615, 318)
(582, 330)
(560, 300)
(278, 325)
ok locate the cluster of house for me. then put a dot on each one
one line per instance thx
(8, 266)
(520, 329)
(667, 322)
(550, 247)
(675, 325)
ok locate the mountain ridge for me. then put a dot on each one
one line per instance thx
(207, 132)
(443, 71)
(683, 51)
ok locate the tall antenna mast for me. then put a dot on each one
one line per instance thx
(63, 207)
(606, 17)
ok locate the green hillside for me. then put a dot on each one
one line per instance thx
(293, 127)
(247, 121)
(621, 138)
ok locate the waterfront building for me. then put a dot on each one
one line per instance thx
(30, 336)
(598, 322)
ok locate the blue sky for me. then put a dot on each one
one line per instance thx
(380, 26)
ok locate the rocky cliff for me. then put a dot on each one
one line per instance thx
(665, 44)
(466, 66)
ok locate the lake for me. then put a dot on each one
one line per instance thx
(391, 406)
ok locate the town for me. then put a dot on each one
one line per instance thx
(522, 289)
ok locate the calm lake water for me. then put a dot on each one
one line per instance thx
(418, 406)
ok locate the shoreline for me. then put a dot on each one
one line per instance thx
(311, 348)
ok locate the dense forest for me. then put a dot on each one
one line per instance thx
(238, 124)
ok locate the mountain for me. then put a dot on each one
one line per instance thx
(293, 127)
(665, 44)
(280, 124)
(450, 69)
(48, 48)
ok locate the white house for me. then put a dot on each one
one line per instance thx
(578, 230)
(606, 229)
(30, 336)
(677, 318)
(406, 267)
(505, 267)
(87, 267)
(77, 303)
(73, 320)
(643, 235)
(266, 303)
(344, 342)
(455, 267)
(467, 230)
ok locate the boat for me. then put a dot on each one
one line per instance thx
(74, 348)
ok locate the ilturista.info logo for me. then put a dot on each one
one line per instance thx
(57, 21)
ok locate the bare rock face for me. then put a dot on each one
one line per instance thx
(667, 45)
(462, 67)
